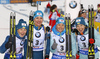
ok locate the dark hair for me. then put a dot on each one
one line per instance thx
(81, 12)
(98, 5)
(79, 15)
(52, 7)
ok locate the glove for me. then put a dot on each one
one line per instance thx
(54, 46)
(8, 44)
(91, 41)
(48, 28)
(47, 57)
(77, 56)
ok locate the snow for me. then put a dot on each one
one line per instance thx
(22, 12)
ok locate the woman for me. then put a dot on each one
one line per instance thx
(53, 16)
(58, 40)
(82, 39)
(39, 37)
(83, 13)
(21, 29)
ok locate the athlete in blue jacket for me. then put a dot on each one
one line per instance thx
(21, 29)
(81, 37)
(58, 40)
(39, 38)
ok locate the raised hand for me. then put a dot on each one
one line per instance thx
(54, 46)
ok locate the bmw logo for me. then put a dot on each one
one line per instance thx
(72, 4)
(83, 38)
(22, 42)
(61, 40)
(38, 34)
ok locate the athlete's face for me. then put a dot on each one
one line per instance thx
(55, 8)
(80, 28)
(60, 27)
(83, 15)
(22, 32)
(38, 21)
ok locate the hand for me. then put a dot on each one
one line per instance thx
(54, 46)
(8, 44)
(47, 57)
(77, 56)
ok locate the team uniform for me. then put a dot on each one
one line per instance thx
(60, 40)
(19, 43)
(52, 17)
(38, 43)
(60, 52)
(39, 36)
(83, 41)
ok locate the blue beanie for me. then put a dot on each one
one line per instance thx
(80, 20)
(38, 13)
(21, 24)
(60, 20)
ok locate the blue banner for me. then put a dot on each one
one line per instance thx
(4, 1)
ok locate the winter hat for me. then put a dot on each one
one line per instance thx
(21, 24)
(80, 20)
(60, 20)
(82, 11)
(38, 13)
